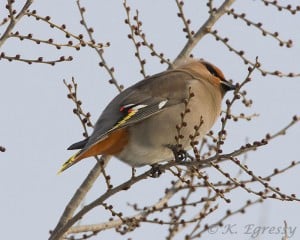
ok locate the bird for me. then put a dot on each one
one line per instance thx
(139, 125)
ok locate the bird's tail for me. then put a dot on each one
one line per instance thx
(71, 161)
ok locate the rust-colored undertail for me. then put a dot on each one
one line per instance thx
(110, 145)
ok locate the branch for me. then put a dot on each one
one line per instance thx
(241, 53)
(63, 228)
(288, 7)
(38, 60)
(63, 28)
(100, 52)
(185, 21)
(134, 31)
(84, 117)
(222, 219)
(115, 223)
(78, 197)
(295, 120)
(126, 185)
(13, 20)
(51, 42)
(94, 173)
(203, 30)
(144, 42)
(259, 26)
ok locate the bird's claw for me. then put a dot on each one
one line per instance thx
(155, 171)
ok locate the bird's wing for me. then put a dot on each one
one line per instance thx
(143, 100)
(129, 114)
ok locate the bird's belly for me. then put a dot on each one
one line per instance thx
(137, 155)
(149, 138)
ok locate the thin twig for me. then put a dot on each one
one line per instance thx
(134, 31)
(38, 60)
(100, 52)
(185, 21)
(288, 7)
(78, 197)
(115, 223)
(14, 20)
(241, 53)
(222, 219)
(202, 31)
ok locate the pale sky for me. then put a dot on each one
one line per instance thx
(37, 124)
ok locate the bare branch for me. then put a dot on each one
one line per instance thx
(49, 42)
(4, 21)
(100, 52)
(241, 54)
(126, 185)
(94, 173)
(38, 60)
(259, 26)
(279, 7)
(68, 34)
(78, 197)
(144, 42)
(116, 223)
(62, 228)
(294, 120)
(285, 237)
(135, 31)
(202, 31)
(222, 219)
(185, 21)
(84, 117)
(14, 20)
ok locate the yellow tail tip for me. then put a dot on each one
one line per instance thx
(67, 164)
(60, 171)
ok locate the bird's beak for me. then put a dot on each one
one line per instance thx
(227, 86)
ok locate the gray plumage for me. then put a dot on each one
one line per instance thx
(159, 101)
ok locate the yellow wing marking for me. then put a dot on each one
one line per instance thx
(125, 119)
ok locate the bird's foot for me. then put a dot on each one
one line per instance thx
(155, 171)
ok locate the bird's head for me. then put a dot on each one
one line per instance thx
(209, 72)
(218, 76)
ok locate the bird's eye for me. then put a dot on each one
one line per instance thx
(211, 69)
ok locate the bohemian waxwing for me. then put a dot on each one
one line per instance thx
(139, 125)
